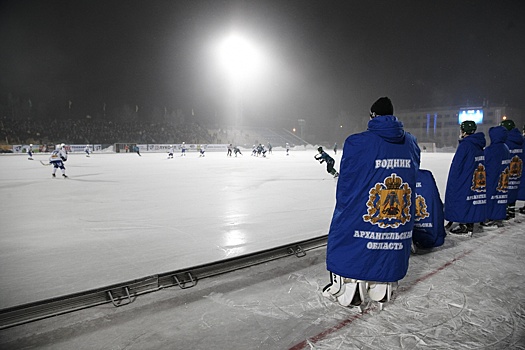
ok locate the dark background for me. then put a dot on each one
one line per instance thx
(328, 58)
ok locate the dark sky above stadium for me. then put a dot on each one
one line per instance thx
(322, 57)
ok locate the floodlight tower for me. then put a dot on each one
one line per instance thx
(240, 61)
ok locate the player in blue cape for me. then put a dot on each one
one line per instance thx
(371, 230)
(515, 144)
(521, 189)
(497, 160)
(429, 226)
(465, 195)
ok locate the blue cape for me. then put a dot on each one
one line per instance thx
(371, 229)
(465, 194)
(515, 144)
(429, 227)
(497, 159)
(521, 189)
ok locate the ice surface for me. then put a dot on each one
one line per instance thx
(120, 217)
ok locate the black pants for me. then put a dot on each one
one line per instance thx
(330, 166)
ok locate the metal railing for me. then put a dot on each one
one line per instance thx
(125, 293)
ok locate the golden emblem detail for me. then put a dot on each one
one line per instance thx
(389, 203)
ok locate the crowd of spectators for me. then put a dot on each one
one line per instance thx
(92, 131)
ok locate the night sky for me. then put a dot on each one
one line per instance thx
(323, 57)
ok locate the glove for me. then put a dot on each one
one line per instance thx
(63, 159)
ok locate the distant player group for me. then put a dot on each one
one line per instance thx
(60, 154)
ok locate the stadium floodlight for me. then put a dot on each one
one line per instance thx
(240, 61)
(239, 57)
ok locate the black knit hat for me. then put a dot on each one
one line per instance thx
(383, 106)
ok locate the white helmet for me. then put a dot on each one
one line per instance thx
(171, 145)
(31, 144)
(62, 145)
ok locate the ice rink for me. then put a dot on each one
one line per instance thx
(120, 216)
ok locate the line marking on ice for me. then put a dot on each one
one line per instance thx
(348, 321)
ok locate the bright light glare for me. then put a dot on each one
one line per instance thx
(239, 57)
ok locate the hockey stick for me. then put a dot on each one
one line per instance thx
(44, 164)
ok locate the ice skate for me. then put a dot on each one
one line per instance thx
(511, 212)
(518, 218)
(463, 230)
(491, 225)
(53, 175)
(381, 292)
(335, 288)
(354, 294)
(451, 225)
(64, 176)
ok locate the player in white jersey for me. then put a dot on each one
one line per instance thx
(57, 159)
(30, 151)
(87, 150)
(170, 152)
(183, 149)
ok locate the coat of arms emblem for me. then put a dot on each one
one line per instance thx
(389, 203)
(479, 179)
(516, 167)
(503, 181)
(421, 208)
